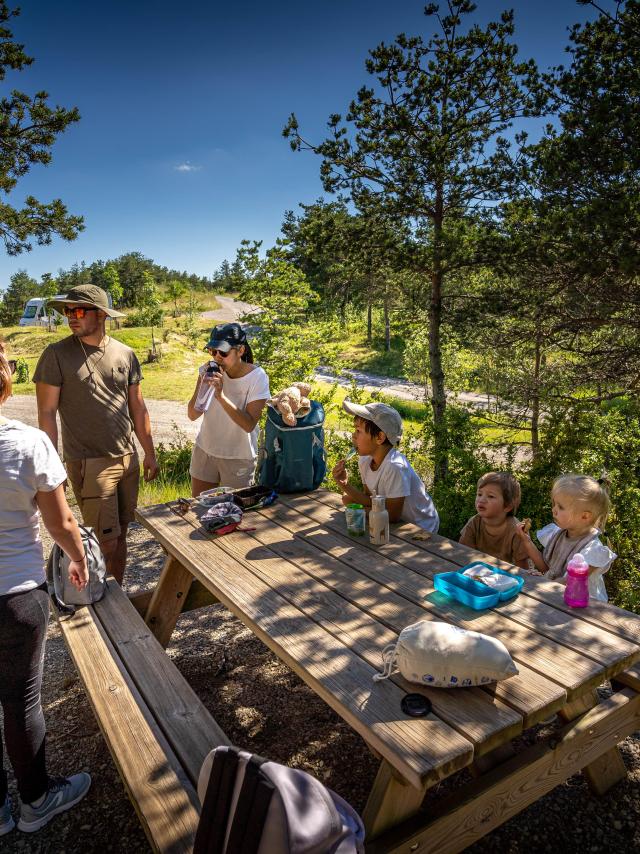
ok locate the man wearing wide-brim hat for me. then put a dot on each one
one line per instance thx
(93, 382)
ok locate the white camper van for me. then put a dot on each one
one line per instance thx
(35, 312)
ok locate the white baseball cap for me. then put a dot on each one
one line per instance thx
(386, 418)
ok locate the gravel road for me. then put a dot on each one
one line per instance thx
(165, 415)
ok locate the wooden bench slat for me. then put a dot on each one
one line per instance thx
(187, 724)
(160, 791)
(590, 648)
(419, 749)
(630, 677)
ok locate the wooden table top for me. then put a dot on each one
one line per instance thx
(327, 604)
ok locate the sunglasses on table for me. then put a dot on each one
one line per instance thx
(78, 311)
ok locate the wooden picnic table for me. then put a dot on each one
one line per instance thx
(327, 604)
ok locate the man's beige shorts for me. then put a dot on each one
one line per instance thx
(106, 489)
(236, 473)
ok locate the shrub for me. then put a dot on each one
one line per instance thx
(174, 458)
(22, 371)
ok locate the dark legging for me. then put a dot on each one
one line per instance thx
(23, 628)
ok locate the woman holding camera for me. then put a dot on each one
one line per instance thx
(31, 486)
(226, 446)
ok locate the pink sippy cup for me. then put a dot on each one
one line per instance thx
(576, 592)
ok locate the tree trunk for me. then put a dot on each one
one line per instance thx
(436, 372)
(369, 321)
(387, 324)
(343, 312)
(535, 399)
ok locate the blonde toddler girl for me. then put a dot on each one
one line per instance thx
(580, 506)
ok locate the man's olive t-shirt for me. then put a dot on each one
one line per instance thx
(94, 388)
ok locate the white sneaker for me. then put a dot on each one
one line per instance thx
(62, 794)
(6, 819)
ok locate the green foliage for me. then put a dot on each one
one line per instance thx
(455, 495)
(150, 311)
(173, 479)
(130, 269)
(229, 277)
(48, 286)
(175, 290)
(190, 324)
(426, 144)
(337, 445)
(590, 440)
(174, 458)
(21, 288)
(28, 129)
(284, 344)
(111, 284)
(22, 371)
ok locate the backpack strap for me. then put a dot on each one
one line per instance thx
(251, 810)
(212, 827)
(54, 583)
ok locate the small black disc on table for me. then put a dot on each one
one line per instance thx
(415, 705)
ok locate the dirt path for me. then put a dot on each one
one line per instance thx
(165, 416)
(230, 309)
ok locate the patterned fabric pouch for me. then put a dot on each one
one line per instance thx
(222, 518)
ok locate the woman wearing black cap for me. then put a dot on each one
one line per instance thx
(226, 447)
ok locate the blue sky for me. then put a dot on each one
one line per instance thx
(179, 152)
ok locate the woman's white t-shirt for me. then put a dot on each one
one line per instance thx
(395, 478)
(28, 464)
(219, 435)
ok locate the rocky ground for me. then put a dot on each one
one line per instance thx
(266, 708)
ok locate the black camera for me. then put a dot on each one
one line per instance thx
(214, 368)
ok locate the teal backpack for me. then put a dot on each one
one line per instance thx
(293, 458)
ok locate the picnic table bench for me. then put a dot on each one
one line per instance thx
(326, 604)
(156, 728)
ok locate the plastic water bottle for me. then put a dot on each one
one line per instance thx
(378, 522)
(206, 391)
(576, 592)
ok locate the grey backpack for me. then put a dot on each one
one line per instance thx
(64, 595)
(252, 806)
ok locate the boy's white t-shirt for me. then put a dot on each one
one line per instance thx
(395, 478)
(219, 435)
(28, 464)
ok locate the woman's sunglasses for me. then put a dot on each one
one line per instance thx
(78, 311)
(220, 353)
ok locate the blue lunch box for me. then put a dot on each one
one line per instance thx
(472, 593)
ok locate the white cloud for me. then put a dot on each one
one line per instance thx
(187, 167)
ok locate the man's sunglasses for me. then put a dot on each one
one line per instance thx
(13, 365)
(78, 311)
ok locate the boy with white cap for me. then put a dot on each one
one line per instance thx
(383, 469)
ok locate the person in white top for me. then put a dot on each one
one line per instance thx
(226, 446)
(383, 469)
(580, 506)
(31, 486)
